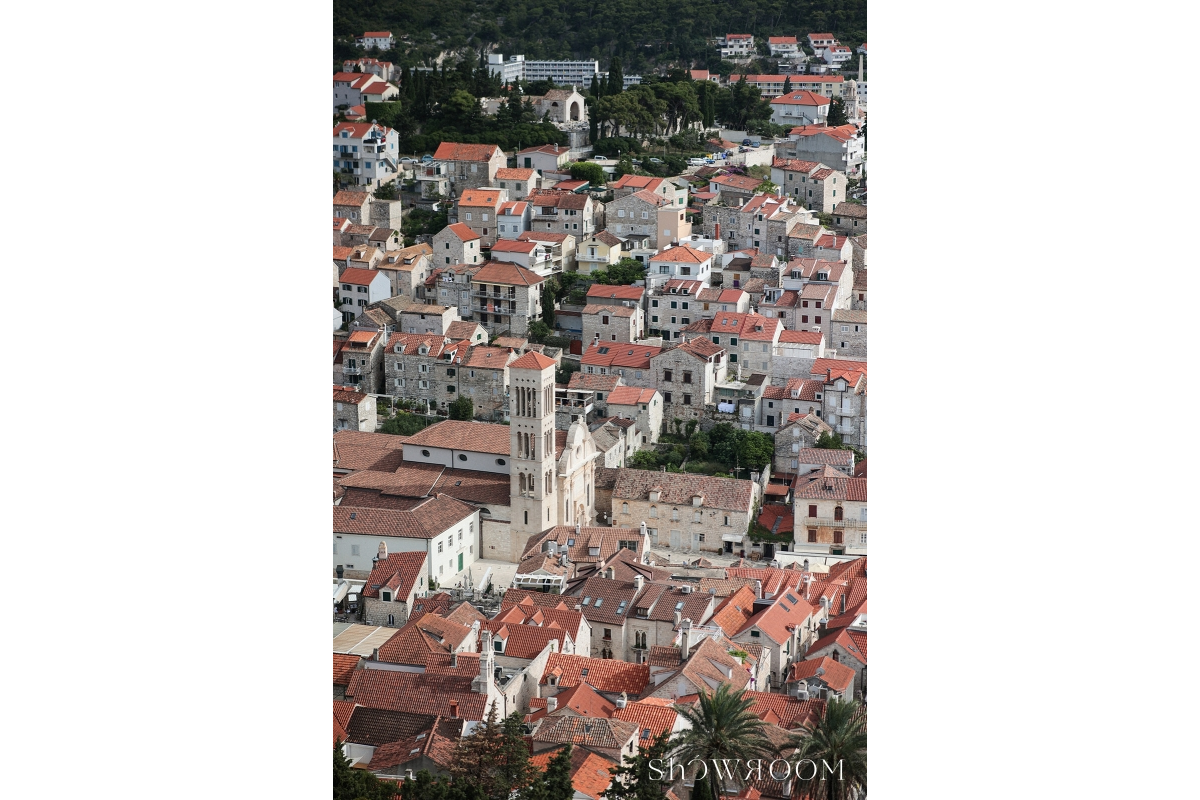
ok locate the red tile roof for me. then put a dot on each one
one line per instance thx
(452, 434)
(532, 360)
(599, 291)
(801, 337)
(348, 198)
(431, 518)
(513, 246)
(835, 675)
(359, 277)
(463, 232)
(486, 198)
(803, 97)
(790, 712)
(504, 272)
(344, 665)
(583, 700)
(735, 611)
(630, 396)
(653, 718)
(679, 489)
(515, 173)
(605, 675)
(417, 693)
(453, 151)
(854, 642)
(398, 573)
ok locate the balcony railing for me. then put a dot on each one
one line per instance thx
(845, 428)
(829, 522)
(352, 370)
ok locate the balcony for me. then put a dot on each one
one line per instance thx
(845, 427)
(830, 522)
(351, 370)
(511, 296)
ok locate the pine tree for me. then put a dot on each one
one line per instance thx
(837, 113)
(787, 84)
(555, 783)
(594, 89)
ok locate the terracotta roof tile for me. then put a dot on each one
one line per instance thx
(652, 720)
(679, 489)
(416, 693)
(485, 198)
(454, 151)
(604, 675)
(504, 272)
(515, 173)
(378, 726)
(532, 360)
(608, 734)
(835, 675)
(430, 519)
(463, 232)
(630, 396)
(398, 573)
(347, 198)
(855, 642)
(451, 434)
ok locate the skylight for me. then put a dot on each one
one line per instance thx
(679, 606)
(621, 608)
(599, 600)
(587, 600)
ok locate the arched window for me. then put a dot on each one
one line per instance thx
(837, 513)
(653, 512)
(675, 514)
(624, 508)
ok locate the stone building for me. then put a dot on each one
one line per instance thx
(358, 361)
(844, 401)
(683, 512)
(636, 215)
(483, 377)
(517, 181)
(407, 268)
(809, 183)
(470, 166)
(394, 582)
(850, 333)
(423, 367)
(560, 246)
(449, 286)
(456, 244)
(479, 210)
(763, 222)
(831, 513)
(612, 323)
(558, 211)
(687, 375)
(506, 297)
(353, 410)
(850, 218)
(644, 407)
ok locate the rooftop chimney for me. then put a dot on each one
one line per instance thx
(685, 637)
(758, 589)
(623, 700)
(843, 601)
(678, 617)
(551, 704)
(340, 572)
(454, 709)
(638, 582)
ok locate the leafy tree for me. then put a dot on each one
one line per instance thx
(555, 783)
(837, 112)
(462, 408)
(387, 191)
(539, 331)
(698, 445)
(625, 272)
(590, 172)
(840, 735)
(403, 424)
(767, 186)
(829, 440)
(722, 726)
(633, 779)
(357, 784)
(643, 459)
(690, 427)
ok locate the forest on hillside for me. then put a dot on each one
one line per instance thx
(644, 33)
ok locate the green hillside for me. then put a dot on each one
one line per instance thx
(644, 33)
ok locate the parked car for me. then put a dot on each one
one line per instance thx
(747, 143)
(408, 160)
(698, 162)
(426, 159)
(656, 161)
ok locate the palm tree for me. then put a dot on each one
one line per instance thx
(840, 735)
(722, 727)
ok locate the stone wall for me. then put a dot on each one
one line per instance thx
(376, 612)
(386, 214)
(851, 343)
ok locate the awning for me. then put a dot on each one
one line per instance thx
(732, 537)
(340, 590)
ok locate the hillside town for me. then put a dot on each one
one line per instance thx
(600, 424)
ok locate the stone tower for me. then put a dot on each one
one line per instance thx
(531, 444)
